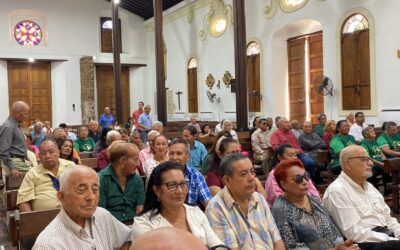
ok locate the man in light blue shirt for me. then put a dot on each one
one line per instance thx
(145, 123)
(197, 150)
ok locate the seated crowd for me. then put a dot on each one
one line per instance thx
(147, 185)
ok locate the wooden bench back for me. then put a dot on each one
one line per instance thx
(90, 162)
(324, 156)
(84, 155)
(12, 183)
(11, 200)
(392, 166)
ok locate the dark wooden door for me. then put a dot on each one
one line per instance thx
(253, 83)
(356, 91)
(106, 90)
(297, 91)
(31, 83)
(316, 70)
(192, 90)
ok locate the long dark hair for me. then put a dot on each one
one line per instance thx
(279, 152)
(152, 203)
(60, 143)
(216, 160)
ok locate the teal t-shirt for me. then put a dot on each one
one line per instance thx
(319, 130)
(337, 144)
(393, 141)
(373, 149)
(84, 145)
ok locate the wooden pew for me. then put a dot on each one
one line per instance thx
(84, 155)
(30, 224)
(392, 167)
(12, 183)
(324, 158)
(90, 162)
(11, 206)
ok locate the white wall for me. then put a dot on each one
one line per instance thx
(215, 55)
(72, 32)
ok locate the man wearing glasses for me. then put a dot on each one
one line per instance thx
(357, 207)
(39, 188)
(239, 215)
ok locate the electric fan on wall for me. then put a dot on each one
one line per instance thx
(323, 85)
(211, 96)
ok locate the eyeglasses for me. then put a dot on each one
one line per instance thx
(364, 159)
(172, 186)
(298, 178)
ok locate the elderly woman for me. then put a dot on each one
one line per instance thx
(330, 130)
(224, 146)
(283, 152)
(84, 143)
(302, 221)
(228, 127)
(389, 140)
(134, 138)
(160, 156)
(350, 119)
(341, 140)
(164, 206)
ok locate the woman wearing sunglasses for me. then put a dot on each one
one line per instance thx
(164, 206)
(273, 190)
(302, 221)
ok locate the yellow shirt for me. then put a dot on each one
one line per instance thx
(37, 187)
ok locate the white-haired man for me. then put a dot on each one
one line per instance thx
(357, 207)
(80, 223)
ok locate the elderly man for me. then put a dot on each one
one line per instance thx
(238, 215)
(39, 188)
(295, 125)
(198, 192)
(357, 127)
(136, 114)
(197, 150)
(80, 223)
(310, 142)
(121, 190)
(284, 136)
(38, 134)
(94, 132)
(193, 122)
(158, 126)
(359, 209)
(106, 119)
(12, 141)
(260, 142)
(103, 158)
(320, 128)
(144, 123)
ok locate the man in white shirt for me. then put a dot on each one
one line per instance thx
(357, 127)
(357, 207)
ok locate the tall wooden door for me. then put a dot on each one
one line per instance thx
(192, 90)
(106, 90)
(297, 91)
(356, 91)
(253, 83)
(31, 83)
(316, 70)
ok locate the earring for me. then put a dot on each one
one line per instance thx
(158, 198)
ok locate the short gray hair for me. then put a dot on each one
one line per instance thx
(365, 130)
(111, 134)
(180, 140)
(348, 152)
(227, 163)
(158, 123)
(66, 176)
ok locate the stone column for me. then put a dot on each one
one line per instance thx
(87, 89)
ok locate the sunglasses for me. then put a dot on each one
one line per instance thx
(298, 178)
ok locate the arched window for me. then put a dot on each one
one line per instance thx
(253, 77)
(355, 59)
(192, 85)
(106, 30)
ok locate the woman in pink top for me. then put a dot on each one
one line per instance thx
(282, 152)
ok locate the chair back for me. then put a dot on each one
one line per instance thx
(14, 184)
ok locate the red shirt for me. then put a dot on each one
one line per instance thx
(135, 117)
(214, 180)
(280, 137)
(327, 137)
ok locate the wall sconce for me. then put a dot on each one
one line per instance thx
(210, 81)
(227, 78)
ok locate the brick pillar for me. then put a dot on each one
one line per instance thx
(87, 89)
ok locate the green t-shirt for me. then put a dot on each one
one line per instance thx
(337, 144)
(319, 130)
(84, 145)
(393, 141)
(373, 149)
(120, 204)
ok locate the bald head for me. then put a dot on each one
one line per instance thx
(122, 149)
(168, 238)
(19, 111)
(356, 163)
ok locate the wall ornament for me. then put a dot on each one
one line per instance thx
(210, 81)
(215, 22)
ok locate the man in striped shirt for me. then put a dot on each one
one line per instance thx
(80, 223)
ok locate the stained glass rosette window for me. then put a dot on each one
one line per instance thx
(28, 33)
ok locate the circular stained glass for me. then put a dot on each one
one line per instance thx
(28, 33)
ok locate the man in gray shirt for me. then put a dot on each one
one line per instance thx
(12, 141)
